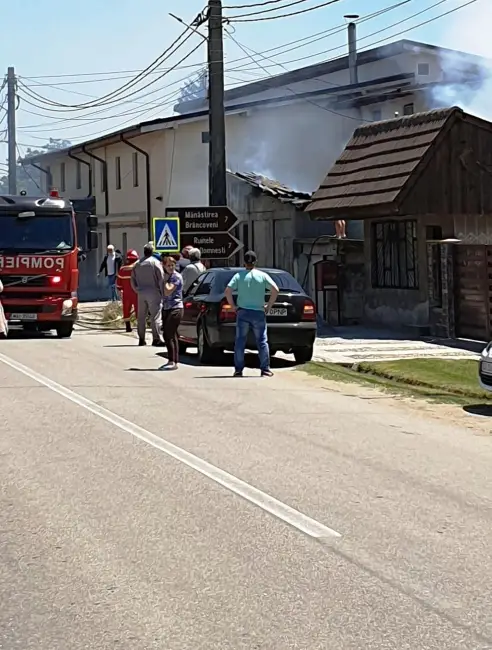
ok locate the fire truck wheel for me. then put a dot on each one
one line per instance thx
(64, 330)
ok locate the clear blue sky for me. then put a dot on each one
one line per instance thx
(56, 37)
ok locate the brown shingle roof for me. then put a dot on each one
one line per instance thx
(378, 162)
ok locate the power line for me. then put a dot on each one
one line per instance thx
(325, 108)
(37, 97)
(26, 171)
(111, 98)
(311, 38)
(256, 4)
(384, 29)
(267, 11)
(293, 13)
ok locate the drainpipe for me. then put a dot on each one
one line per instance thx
(352, 49)
(84, 162)
(105, 172)
(49, 177)
(147, 182)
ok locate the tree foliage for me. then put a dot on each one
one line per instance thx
(195, 88)
(29, 178)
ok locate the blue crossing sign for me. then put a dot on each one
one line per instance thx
(166, 234)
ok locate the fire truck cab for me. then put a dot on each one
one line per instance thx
(39, 261)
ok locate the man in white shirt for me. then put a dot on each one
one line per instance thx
(192, 270)
(111, 265)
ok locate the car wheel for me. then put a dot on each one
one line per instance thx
(206, 354)
(303, 355)
(64, 330)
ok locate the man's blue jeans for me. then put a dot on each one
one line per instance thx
(112, 287)
(256, 320)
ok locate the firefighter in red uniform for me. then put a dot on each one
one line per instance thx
(123, 284)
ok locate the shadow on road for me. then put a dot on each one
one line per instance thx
(226, 361)
(483, 410)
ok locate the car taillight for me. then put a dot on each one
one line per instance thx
(55, 279)
(309, 311)
(227, 313)
(188, 304)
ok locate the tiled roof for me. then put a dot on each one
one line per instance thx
(274, 188)
(378, 162)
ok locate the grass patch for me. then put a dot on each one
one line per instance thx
(441, 380)
(112, 315)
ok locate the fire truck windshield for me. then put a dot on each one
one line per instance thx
(41, 233)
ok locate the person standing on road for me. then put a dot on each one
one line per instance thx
(147, 280)
(184, 259)
(172, 312)
(111, 265)
(123, 284)
(192, 270)
(251, 285)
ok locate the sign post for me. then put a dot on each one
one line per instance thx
(206, 228)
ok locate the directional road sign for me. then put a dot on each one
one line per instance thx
(213, 246)
(202, 220)
(166, 234)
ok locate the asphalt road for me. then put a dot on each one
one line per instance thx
(189, 510)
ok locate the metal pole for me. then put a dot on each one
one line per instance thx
(217, 145)
(12, 145)
(352, 47)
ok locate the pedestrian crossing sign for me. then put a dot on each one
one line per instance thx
(166, 234)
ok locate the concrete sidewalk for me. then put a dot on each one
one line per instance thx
(357, 344)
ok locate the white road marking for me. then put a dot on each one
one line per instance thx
(264, 501)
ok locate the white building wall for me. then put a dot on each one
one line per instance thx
(294, 143)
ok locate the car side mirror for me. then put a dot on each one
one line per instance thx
(92, 240)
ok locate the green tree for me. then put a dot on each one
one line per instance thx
(30, 179)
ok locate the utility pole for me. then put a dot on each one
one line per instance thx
(12, 144)
(217, 179)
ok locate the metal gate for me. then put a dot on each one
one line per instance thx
(473, 292)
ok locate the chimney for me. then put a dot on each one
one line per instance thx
(352, 48)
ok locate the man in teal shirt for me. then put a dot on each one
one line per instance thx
(251, 286)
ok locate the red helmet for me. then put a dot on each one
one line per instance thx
(132, 256)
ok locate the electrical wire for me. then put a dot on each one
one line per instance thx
(325, 108)
(255, 4)
(311, 38)
(67, 107)
(26, 171)
(379, 31)
(372, 44)
(319, 36)
(89, 116)
(289, 15)
(267, 11)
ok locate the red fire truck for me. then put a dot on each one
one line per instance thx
(39, 260)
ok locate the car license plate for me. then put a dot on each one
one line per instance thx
(29, 317)
(278, 311)
(487, 367)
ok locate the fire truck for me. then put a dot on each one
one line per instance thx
(39, 261)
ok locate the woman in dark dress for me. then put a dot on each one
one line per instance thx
(172, 312)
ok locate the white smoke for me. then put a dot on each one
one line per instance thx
(468, 80)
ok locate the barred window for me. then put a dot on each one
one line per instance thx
(394, 255)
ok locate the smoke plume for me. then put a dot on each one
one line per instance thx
(467, 79)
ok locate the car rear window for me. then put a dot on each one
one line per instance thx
(282, 279)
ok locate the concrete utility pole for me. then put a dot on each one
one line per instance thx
(217, 146)
(12, 144)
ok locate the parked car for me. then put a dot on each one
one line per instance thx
(209, 323)
(485, 368)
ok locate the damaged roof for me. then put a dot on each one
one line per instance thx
(274, 188)
(378, 163)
